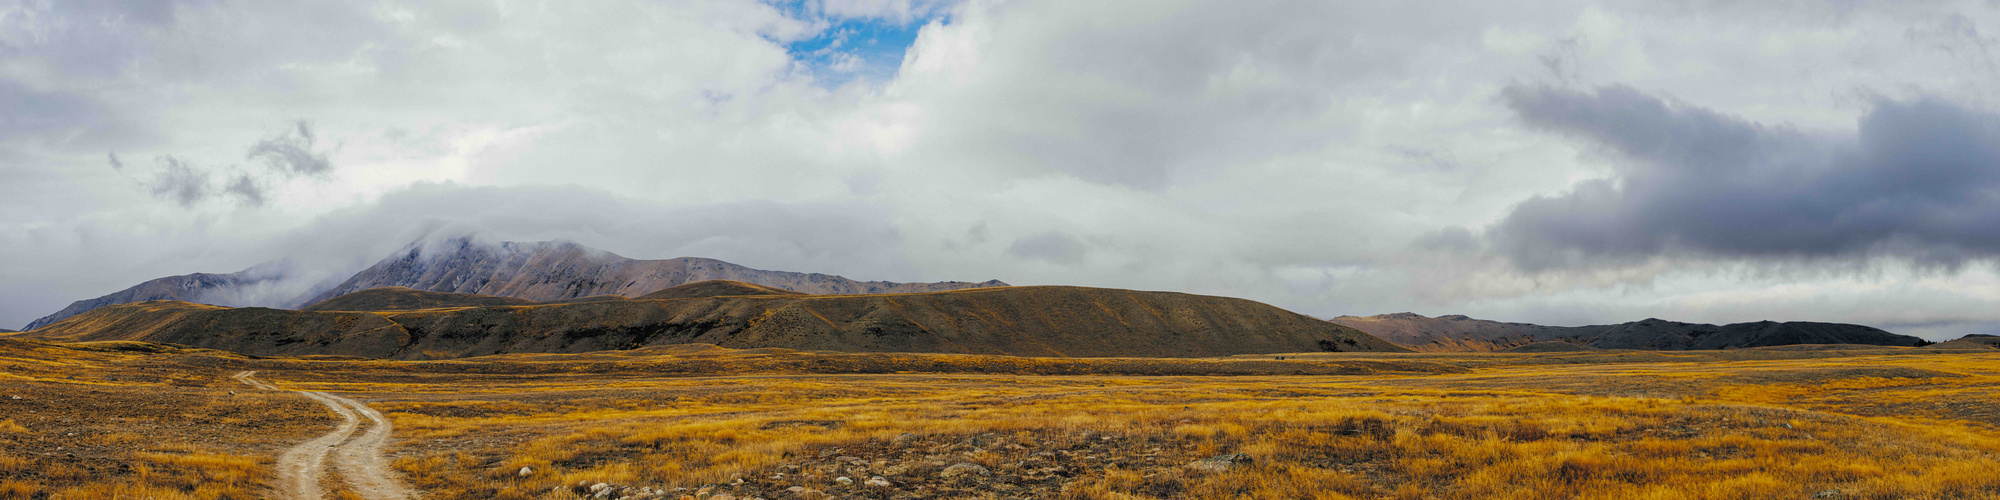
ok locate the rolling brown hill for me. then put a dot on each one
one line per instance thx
(257, 331)
(558, 270)
(1023, 321)
(1974, 341)
(1456, 333)
(396, 298)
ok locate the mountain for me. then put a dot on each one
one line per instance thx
(1025, 321)
(557, 270)
(227, 289)
(537, 272)
(396, 298)
(1456, 333)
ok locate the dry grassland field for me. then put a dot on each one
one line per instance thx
(133, 420)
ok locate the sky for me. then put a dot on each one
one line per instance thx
(1554, 162)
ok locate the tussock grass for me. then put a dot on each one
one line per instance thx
(1776, 424)
(1789, 428)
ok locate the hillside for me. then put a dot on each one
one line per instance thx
(557, 270)
(396, 298)
(204, 288)
(1455, 333)
(256, 331)
(1023, 321)
(1974, 341)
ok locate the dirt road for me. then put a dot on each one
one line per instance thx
(359, 460)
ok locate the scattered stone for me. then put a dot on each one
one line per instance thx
(963, 469)
(599, 487)
(878, 482)
(525, 472)
(843, 480)
(1830, 494)
(903, 439)
(1221, 463)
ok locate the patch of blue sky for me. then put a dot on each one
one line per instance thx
(847, 48)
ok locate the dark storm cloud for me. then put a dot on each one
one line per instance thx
(246, 188)
(1919, 179)
(290, 152)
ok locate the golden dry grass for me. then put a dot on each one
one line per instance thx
(1850, 424)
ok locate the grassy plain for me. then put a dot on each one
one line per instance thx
(1888, 423)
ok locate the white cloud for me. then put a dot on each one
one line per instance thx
(1310, 154)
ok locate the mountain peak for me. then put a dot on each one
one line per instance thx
(544, 271)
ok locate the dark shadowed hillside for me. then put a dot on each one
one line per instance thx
(1455, 333)
(1027, 321)
(249, 330)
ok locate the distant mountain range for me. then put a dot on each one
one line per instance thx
(402, 323)
(534, 271)
(1457, 333)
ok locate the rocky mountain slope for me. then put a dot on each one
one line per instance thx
(396, 298)
(537, 272)
(557, 270)
(203, 288)
(1455, 333)
(1026, 321)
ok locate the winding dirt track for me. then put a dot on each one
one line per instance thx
(359, 460)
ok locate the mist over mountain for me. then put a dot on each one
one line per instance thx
(557, 270)
(1458, 333)
(261, 285)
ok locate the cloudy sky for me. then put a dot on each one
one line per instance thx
(1551, 162)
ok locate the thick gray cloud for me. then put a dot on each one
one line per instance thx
(290, 152)
(1310, 154)
(1917, 179)
(287, 154)
(179, 182)
(246, 188)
